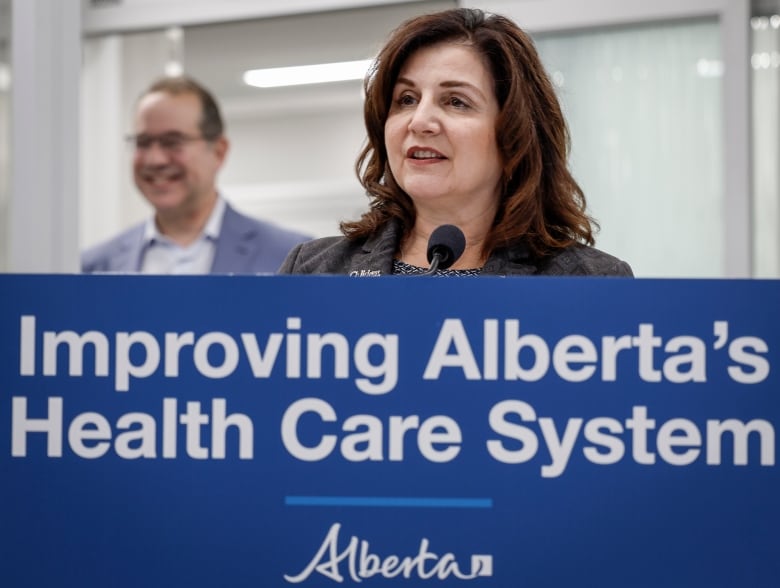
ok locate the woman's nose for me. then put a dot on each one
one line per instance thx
(425, 118)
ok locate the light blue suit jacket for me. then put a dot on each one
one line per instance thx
(245, 246)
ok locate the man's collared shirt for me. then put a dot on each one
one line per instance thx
(163, 256)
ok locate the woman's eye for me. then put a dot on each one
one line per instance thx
(457, 102)
(406, 100)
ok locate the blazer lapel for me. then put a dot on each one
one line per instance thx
(235, 243)
(129, 251)
(376, 256)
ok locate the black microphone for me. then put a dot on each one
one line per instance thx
(445, 246)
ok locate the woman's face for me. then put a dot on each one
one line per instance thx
(440, 131)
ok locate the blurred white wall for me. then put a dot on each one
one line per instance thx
(5, 125)
(41, 227)
(765, 64)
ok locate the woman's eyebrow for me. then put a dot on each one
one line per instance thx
(462, 84)
(444, 84)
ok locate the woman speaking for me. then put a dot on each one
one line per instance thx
(465, 132)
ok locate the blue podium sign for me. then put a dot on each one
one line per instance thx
(323, 431)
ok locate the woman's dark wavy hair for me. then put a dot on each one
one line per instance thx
(541, 204)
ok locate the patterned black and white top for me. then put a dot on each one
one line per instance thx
(404, 269)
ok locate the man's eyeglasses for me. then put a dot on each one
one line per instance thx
(171, 142)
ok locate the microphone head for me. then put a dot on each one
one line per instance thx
(449, 242)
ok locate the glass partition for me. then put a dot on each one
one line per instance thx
(644, 108)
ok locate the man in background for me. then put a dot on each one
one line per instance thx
(179, 147)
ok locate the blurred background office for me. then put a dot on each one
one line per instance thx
(672, 106)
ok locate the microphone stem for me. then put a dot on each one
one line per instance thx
(435, 260)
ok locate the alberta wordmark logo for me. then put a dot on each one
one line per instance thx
(357, 562)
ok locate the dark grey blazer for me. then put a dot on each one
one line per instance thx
(374, 257)
(245, 246)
